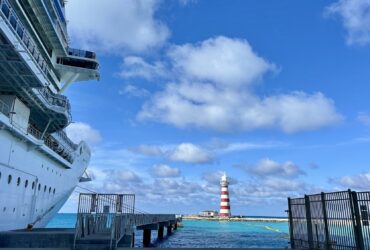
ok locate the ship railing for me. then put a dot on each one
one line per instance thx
(82, 53)
(60, 101)
(19, 29)
(4, 108)
(57, 145)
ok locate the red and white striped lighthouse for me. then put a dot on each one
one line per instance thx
(225, 201)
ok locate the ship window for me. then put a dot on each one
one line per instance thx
(20, 32)
(4, 209)
(39, 186)
(80, 150)
(18, 181)
(26, 184)
(0, 175)
(13, 21)
(45, 188)
(9, 179)
(33, 185)
(49, 190)
(13, 210)
(5, 10)
(54, 191)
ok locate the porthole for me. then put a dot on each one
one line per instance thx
(26, 184)
(9, 179)
(33, 185)
(18, 181)
(45, 188)
(39, 186)
(49, 190)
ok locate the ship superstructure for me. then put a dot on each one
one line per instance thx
(39, 165)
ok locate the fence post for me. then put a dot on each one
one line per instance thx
(357, 221)
(290, 223)
(309, 222)
(326, 227)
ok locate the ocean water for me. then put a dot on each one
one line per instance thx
(195, 233)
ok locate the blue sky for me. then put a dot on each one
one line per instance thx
(275, 93)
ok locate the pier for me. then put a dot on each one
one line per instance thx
(104, 221)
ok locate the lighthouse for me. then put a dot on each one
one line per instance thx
(225, 201)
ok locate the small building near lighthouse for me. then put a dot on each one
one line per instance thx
(225, 200)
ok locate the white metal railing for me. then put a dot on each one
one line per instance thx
(18, 28)
(61, 145)
(4, 108)
(60, 101)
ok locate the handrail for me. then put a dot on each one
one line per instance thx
(81, 53)
(4, 108)
(16, 25)
(58, 145)
(56, 100)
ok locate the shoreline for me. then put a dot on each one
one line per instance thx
(244, 219)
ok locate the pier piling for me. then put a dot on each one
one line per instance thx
(147, 234)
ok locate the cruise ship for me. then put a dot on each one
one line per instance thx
(39, 165)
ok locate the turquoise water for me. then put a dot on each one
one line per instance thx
(210, 233)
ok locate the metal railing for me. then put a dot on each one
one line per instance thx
(338, 220)
(112, 215)
(81, 53)
(16, 25)
(57, 100)
(4, 108)
(57, 144)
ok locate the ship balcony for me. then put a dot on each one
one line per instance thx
(58, 142)
(81, 63)
(59, 106)
(12, 20)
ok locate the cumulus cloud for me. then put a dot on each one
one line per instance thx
(134, 91)
(134, 66)
(359, 181)
(128, 25)
(222, 60)
(80, 131)
(165, 171)
(355, 17)
(184, 152)
(364, 118)
(214, 91)
(213, 178)
(267, 167)
(148, 150)
(190, 153)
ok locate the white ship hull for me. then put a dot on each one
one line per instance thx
(21, 205)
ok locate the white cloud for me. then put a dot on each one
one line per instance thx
(165, 171)
(184, 152)
(355, 16)
(134, 66)
(267, 167)
(148, 150)
(80, 131)
(214, 178)
(359, 181)
(364, 118)
(116, 26)
(214, 91)
(190, 153)
(134, 91)
(222, 60)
